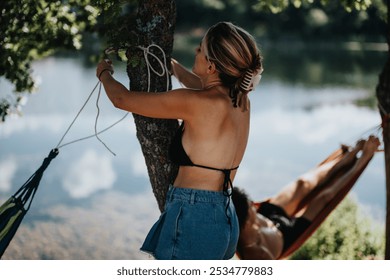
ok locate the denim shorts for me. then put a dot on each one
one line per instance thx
(195, 225)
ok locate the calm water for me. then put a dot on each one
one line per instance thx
(93, 205)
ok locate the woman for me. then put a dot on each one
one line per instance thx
(270, 229)
(199, 222)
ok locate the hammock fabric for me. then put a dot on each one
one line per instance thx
(15, 208)
(350, 180)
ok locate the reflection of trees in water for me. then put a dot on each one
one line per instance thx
(319, 67)
(316, 65)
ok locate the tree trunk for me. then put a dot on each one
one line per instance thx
(383, 95)
(155, 25)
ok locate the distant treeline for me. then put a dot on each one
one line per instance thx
(314, 22)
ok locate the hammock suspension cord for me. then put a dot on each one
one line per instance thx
(164, 71)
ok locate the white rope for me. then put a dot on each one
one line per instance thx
(147, 53)
(60, 145)
(163, 64)
(75, 118)
(96, 121)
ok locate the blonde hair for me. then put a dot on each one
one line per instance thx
(234, 52)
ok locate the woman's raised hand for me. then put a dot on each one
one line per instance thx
(104, 66)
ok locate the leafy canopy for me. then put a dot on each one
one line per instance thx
(32, 29)
(276, 6)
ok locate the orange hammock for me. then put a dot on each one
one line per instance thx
(348, 182)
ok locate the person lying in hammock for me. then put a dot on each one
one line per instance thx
(269, 228)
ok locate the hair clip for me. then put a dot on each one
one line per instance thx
(250, 80)
(247, 80)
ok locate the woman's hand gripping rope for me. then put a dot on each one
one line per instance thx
(104, 66)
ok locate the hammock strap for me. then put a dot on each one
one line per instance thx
(147, 52)
(75, 118)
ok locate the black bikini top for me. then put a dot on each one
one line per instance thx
(178, 155)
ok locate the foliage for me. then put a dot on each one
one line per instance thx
(117, 21)
(347, 234)
(32, 29)
(276, 6)
(303, 20)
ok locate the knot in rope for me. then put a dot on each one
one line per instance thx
(53, 153)
(162, 63)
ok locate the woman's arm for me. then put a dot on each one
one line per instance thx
(175, 104)
(186, 77)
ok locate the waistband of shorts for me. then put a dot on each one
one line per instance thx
(195, 195)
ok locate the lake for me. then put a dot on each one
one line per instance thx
(93, 205)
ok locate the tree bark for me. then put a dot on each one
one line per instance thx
(383, 95)
(155, 25)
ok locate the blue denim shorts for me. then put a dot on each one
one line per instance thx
(195, 225)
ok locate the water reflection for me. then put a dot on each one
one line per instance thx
(92, 205)
(8, 168)
(318, 67)
(88, 174)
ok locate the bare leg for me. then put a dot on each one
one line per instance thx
(292, 194)
(324, 197)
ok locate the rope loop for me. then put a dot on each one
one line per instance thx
(162, 63)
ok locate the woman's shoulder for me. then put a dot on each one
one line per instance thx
(204, 97)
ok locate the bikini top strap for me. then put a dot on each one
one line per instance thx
(227, 182)
(217, 169)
